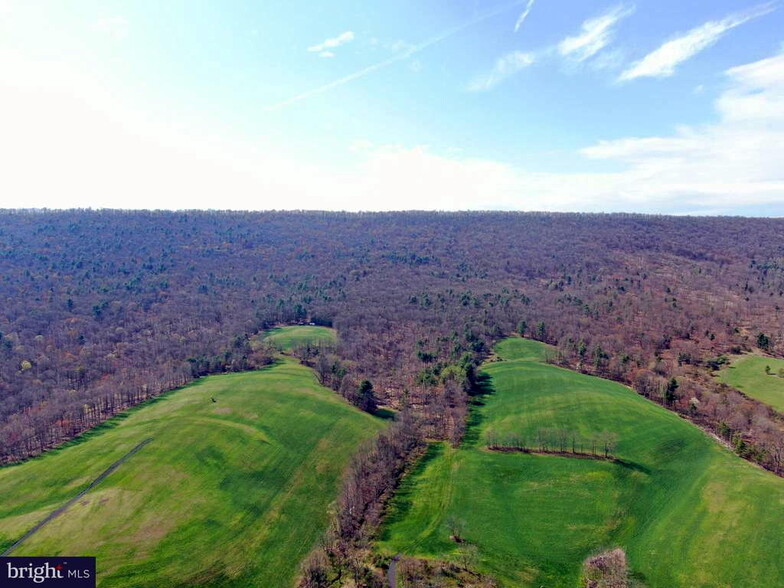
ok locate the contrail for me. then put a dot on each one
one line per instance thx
(394, 59)
(524, 15)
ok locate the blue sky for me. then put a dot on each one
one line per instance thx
(667, 106)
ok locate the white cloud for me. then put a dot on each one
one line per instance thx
(732, 165)
(505, 67)
(6, 7)
(116, 27)
(663, 61)
(757, 97)
(611, 59)
(735, 161)
(595, 35)
(67, 142)
(323, 48)
(523, 15)
(361, 145)
(407, 50)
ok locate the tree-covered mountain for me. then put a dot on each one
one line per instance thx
(102, 309)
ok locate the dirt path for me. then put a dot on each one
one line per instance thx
(64, 507)
(392, 572)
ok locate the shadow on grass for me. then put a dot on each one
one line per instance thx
(385, 413)
(402, 502)
(637, 467)
(629, 465)
(483, 385)
(473, 425)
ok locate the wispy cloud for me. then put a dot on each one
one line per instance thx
(324, 48)
(403, 55)
(663, 61)
(116, 27)
(734, 161)
(595, 35)
(727, 167)
(505, 67)
(523, 15)
(732, 165)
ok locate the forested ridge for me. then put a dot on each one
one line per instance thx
(103, 309)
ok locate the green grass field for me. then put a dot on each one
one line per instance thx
(747, 374)
(687, 511)
(228, 493)
(287, 338)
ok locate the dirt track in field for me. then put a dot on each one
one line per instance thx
(65, 507)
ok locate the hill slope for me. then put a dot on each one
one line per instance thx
(288, 338)
(687, 511)
(747, 374)
(230, 492)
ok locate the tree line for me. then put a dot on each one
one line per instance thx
(372, 477)
(557, 441)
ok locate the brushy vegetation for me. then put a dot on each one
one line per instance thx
(685, 509)
(233, 490)
(607, 570)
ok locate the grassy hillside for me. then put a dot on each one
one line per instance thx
(687, 511)
(231, 492)
(287, 338)
(747, 374)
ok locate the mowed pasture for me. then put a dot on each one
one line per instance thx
(233, 490)
(686, 510)
(288, 338)
(747, 373)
